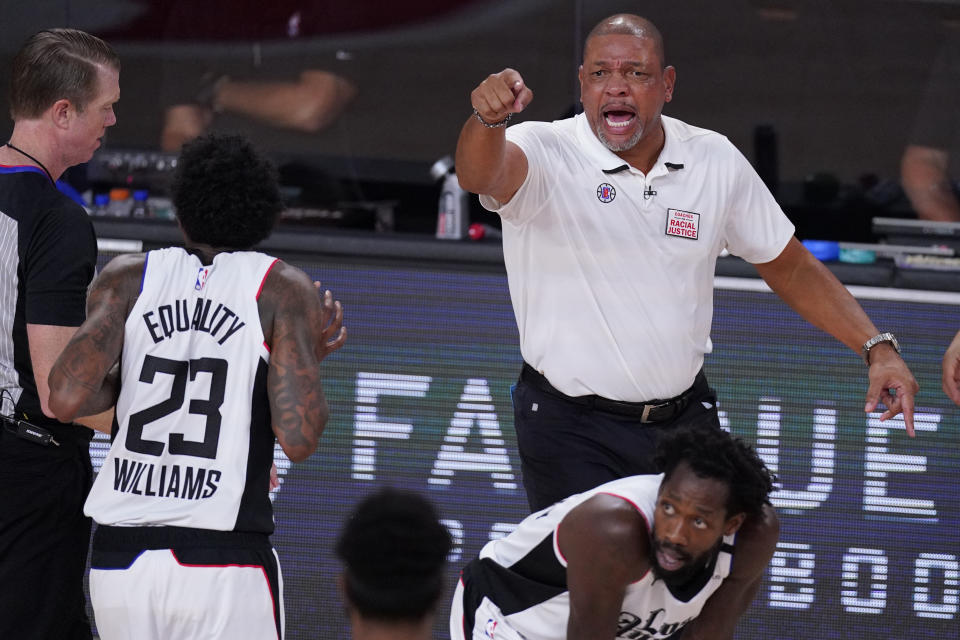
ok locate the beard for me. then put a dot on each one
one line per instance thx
(616, 147)
(692, 567)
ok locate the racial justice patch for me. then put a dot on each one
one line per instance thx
(683, 224)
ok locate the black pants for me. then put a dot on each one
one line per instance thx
(566, 448)
(44, 538)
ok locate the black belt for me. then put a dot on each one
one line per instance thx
(137, 538)
(650, 411)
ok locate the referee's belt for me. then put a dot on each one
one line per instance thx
(650, 411)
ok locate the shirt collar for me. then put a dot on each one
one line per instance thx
(609, 162)
(672, 156)
(21, 168)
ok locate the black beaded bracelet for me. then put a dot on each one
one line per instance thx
(493, 125)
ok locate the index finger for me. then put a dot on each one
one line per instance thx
(512, 78)
(906, 402)
(522, 95)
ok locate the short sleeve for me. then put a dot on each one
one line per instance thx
(534, 194)
(58, 265)
(757, 229)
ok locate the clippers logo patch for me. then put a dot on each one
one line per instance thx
(683, 224)
(201, 278)
(606, 192)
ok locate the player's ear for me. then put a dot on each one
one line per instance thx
(733, 523)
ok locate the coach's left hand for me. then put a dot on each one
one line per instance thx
(891, 384)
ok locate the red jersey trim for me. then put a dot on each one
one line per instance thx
(273, 603)
(260, 289)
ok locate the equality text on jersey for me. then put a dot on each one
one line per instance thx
(168, 319)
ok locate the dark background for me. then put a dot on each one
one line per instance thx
(834, 84)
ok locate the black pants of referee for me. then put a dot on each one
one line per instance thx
(44, 538)
(567, 446)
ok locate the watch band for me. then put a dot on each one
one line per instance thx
(886, 336)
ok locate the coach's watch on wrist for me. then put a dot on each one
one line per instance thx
(877, 339)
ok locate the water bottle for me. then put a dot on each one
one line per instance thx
(140, 208)
(100, 202)
(453, 208)
(119, 206)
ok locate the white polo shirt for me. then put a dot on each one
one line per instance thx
(610, 270)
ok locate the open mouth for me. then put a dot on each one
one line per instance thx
(669, 558)
(669, 561)
(618, 118)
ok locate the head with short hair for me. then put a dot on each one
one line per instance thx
(225, 192)
(628, 24)
(394, 551)
(624, 83)
(712, 483)
(57, 64)
(712, 453)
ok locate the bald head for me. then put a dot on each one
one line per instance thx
(627, 24)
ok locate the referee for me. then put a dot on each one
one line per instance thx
(64, 86)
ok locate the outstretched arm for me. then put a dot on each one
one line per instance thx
(301, 331)
(755, 543)
(815, 293)
(486, 163)
(605, 543)
(309, 104)
(83, 380)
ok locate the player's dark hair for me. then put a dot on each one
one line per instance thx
(225, 192)
(55, 64)
(713, 453)
(394, 551)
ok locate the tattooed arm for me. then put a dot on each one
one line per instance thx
(83, 381)
(301, 330)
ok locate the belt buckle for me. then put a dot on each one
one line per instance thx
(644, 417)
(647, 408)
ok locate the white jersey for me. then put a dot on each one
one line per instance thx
(518, 585)
(193, 442)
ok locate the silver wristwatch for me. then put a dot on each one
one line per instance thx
(877, 339)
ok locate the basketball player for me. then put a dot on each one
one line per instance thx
(394, 551)
(641, 557)
(219, 351)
